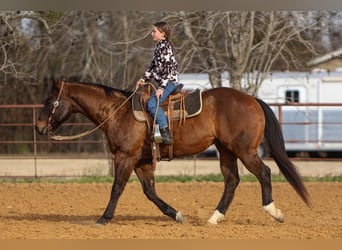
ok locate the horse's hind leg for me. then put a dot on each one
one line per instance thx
(146, 177)
(229, 169)
(263, 173)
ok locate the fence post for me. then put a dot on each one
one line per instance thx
(34, 141)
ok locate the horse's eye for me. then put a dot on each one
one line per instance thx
(56, 104)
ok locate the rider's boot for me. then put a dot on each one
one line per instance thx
(165, 134)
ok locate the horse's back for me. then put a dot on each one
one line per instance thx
(229, 100)
(233, 113)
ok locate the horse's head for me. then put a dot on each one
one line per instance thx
(57, 109)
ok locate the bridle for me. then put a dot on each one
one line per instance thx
(72, 137)
(54, 108)
(63, 138)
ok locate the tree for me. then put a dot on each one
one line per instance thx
(199, 28)
(26, 44)
(114, 48)
(247, 44)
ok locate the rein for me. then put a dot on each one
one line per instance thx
(73, 137)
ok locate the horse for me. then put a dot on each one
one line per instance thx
(232, 120)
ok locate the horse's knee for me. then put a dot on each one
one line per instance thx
(117, 190)
(232, 181)
(236, 181)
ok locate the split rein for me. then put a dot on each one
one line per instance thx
(73, 137)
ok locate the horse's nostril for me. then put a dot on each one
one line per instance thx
(45, 131)
(41, 127)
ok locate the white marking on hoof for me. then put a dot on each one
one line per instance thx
(179, 217)
(274, 212)
(216, 217)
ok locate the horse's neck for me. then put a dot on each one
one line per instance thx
(95, 104)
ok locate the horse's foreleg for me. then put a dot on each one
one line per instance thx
(123, 170)
(255, 165)
(146, 177)
(229, 169)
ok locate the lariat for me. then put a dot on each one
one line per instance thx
(73, 137)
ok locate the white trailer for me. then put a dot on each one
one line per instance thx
(309, 109)
(308, 106)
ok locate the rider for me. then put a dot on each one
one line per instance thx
(164, 70)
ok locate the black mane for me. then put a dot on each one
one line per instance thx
(107, 89)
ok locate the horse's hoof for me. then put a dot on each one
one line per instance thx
(102, 221)
(216, 218)
(274, 212)
(179, 217)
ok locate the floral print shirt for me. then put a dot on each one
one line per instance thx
(164, 67)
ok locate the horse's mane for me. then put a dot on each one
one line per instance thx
(107, 89)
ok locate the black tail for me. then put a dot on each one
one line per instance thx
(274, 138)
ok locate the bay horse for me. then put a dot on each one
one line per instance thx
(232, 120)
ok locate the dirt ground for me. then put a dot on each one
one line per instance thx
(69, 211)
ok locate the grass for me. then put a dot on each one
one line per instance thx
(183, 179)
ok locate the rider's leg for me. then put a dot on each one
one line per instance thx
(161, 118)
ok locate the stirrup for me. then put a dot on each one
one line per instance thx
(157, 135)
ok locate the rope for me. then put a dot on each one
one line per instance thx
(73, 137)
(154, 145)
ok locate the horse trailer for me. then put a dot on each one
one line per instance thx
(307, 105)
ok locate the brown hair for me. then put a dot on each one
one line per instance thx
(164, 27)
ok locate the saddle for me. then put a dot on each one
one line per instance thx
(180, 105)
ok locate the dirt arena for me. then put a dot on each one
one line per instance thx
(69, 211)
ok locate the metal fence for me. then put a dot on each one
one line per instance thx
(307, 127)
(35, 155)
(311, 127)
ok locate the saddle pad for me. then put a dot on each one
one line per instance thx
(192, 103)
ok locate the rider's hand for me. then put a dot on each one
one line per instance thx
(159, 92)
(139, 83)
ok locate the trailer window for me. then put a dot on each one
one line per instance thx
(292, 96)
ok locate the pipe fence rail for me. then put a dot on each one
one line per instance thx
(307, 126)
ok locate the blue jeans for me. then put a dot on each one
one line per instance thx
(161, 119)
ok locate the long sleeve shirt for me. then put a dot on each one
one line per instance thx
(164, 67)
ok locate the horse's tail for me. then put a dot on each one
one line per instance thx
(274, 139)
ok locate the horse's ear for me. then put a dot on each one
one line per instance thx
(49, 82)
(57, 84)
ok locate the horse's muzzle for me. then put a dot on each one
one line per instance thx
(42, 127)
